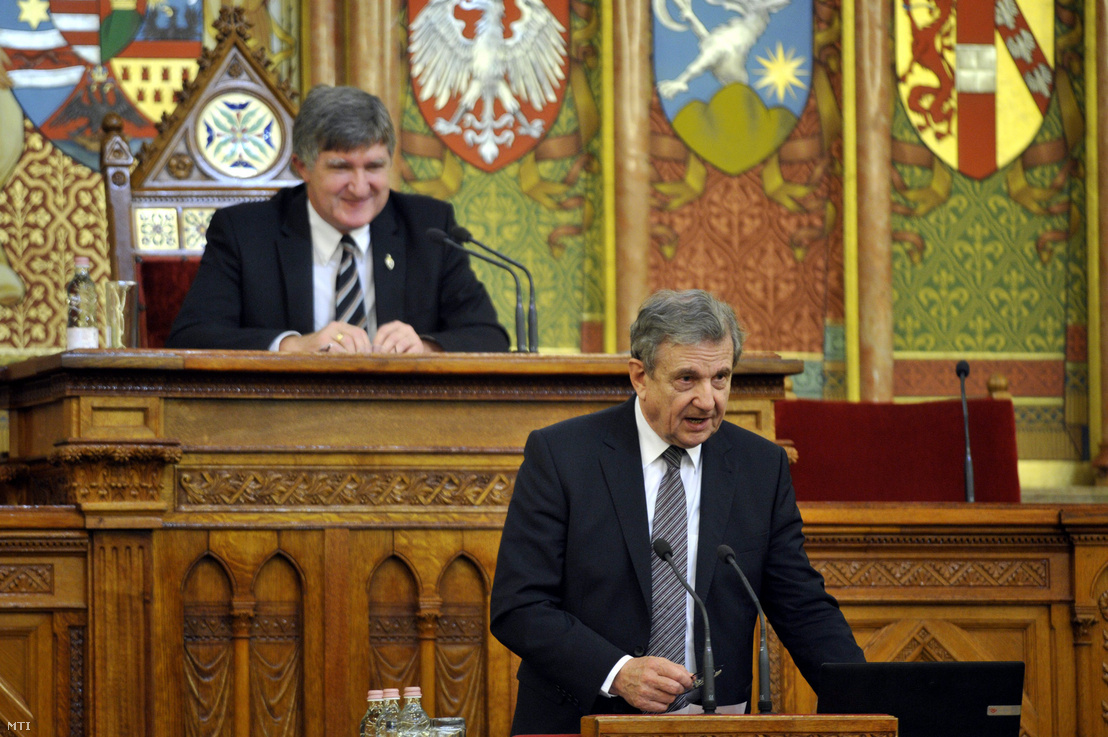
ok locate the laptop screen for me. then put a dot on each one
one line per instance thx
(964, 699)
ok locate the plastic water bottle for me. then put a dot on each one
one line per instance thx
(81, 330)
(414, 721)
(390, 710)
(374, 699)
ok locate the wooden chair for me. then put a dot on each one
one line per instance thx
(229, 140)
(910, 452)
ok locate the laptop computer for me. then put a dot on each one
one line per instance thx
(964, 699)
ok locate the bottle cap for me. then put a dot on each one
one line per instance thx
(412, 692)
(392, 693)
(375, 693)
(81, 261)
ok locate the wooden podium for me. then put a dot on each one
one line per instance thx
(762, 725)
(239, 543)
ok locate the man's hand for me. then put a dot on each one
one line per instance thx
(651, 683)
(400, 337)
(337, 337)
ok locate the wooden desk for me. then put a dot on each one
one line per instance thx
(243, 539)
(210, 544)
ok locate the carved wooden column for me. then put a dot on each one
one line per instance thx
(242, 621)
(1090, 617)
(633, 91)
(121, 591)
(873, 74)
(427, 623)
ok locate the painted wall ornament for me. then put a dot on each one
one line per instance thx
(73, 61)
(733, 75)
(489, 75)
(975, 77)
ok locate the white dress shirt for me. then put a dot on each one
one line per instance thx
(651, 447)
(326, 259)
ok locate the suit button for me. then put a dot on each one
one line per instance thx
(639, 652)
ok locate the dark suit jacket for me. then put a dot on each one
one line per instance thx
(255, 278)
(572, 594)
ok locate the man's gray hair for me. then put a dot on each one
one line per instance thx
(340, 119)
(683, 318)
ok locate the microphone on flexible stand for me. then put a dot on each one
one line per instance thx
(708, 695)
(765, 698)
(440, 236)
(962, 369)
(459, 233)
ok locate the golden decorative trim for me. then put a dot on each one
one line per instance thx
(964, 573)
(113, 472)
(342, 486)
(32, 578)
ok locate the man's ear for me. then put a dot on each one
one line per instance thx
(298, 166)
(638, 375)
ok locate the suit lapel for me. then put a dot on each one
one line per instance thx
(621, 464)
(390, 264)
(294, 253)
(718, 485)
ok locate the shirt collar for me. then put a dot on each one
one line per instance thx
(651, 445)
(325, 237)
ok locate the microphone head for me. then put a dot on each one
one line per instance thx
(436, 235)
(460, 234)
(723, 552)
(662, 548)
(962, 369)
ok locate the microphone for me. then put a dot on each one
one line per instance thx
(459, 233)
(440, 236)
(708, 695)
(765, 699)
(962, 369)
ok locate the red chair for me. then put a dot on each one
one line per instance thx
(879, 451)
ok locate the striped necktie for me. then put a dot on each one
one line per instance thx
(349, 299)
(667, 618)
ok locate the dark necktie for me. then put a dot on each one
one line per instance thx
(667, 618)
(349, 299)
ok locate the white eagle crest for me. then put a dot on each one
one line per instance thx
(527, 65)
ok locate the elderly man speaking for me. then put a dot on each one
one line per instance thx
(599, 622)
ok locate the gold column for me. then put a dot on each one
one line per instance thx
(1100, 460)
(873, 70)
(374, 56)
(633, 91)
(321, 55)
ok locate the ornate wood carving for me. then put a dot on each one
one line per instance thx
(114, 472)
(916, 573)
(30, 578)
(76, 681)
(923, 645)
(232, 28)
(276, 672)
(357, 486)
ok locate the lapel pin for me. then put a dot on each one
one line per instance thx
(389, 263)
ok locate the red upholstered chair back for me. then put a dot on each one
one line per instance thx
(229, 140)
(876, 451)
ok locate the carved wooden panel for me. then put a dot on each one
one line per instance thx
(26, 664)
(261, 487)
(208, 654)
(460, 657)
(276, 663)
(393, 626)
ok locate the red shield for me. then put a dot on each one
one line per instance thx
(489, 75)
